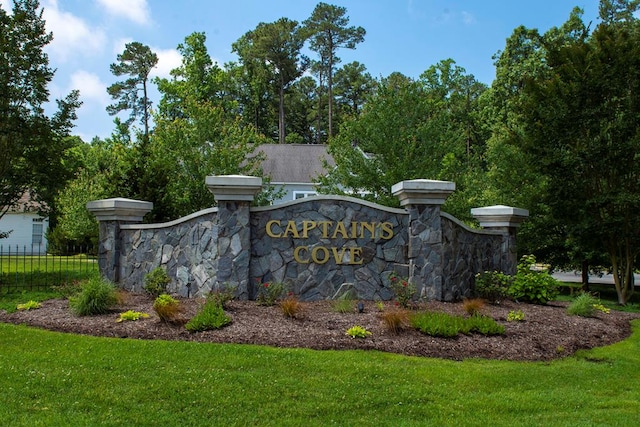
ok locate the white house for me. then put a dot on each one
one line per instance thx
(294, 168)
(27, 228)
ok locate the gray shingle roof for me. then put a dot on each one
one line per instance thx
(294, 163)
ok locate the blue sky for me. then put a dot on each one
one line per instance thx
(402, 35)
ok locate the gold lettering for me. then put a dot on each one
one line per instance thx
(314, 255)
(338, 255)
(297, 257)
(306, 227)
(270, 232)
(340, 228)
(291, 228)
(353, 253)
(368, 226)
(325, 231)
(387, 230)
(354, 230)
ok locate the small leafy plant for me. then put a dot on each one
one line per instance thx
(403, 289)
(131, 315)
(29, 305)
(222, 295)
(97, 296)
(167, 308)
(492, 286)
(210, 316)
(515, 316)
(358, 332)
(536, 287)
(448, 326)
(269, 293)
(156, 282)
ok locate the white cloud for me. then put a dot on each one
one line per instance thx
(71, 35)
(168, 59)
(7, 5)
(133, 10)
(91, 88)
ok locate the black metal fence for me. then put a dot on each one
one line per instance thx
(33, 268)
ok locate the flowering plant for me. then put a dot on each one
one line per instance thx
(269, 293)
(403, 289)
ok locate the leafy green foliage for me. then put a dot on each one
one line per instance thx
(269, 293)
(222, 295)
(403, 290)
(97, 296)
(515, 316)
(210, 316)
(357, 331)
(492, 285)
(536, 287)
(131, 315)
(586, 305)
(167, 308)
(29, 305)
(156, 281)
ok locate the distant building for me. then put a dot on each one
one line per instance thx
(28, 228)
(294, 168)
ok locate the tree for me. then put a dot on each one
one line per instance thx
(136, 61)
(583, 132)
(33, 146)
(328, 31)
(278, 46)
(352, 87)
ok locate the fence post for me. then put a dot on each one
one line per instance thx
(234, 194)
(111, 213)
(422, 198)
(506, 220)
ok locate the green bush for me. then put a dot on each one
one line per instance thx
(445, 325)
(156, 281)
(536, 287)
(492, 286)
(403, 289)
(269, 293)
(210, 316)
(584, 305)
(97, 296)
(222, 295)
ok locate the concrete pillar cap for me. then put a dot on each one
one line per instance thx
(423, 191)
(234, 187)
(119, 209)
(499, 216)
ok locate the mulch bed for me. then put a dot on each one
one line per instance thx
(547, 332)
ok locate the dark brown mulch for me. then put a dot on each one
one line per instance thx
(547, 332)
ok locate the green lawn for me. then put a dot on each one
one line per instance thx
(56, 379)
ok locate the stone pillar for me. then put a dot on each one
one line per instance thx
(234, 194)
(422, 198)
(506, 220)
(111, 213)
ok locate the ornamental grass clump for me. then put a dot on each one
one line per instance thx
(97, 296)
(586, 305)
(395, 320)
(168, 309)
(445, 325)
(473, 306)
(291, 307)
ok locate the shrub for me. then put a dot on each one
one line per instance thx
(584, 305)
(403, 289)
(484, 325)
(29, 305)
(473, 306)
(537, 287)
(291, 306)
(222, 295)
(357, 332)
(97, 296)
(515, 316)
(269, 293)
(156, 281)
(395, 321)
(167, 308)
(492, 286)
(131, 315)
(210, 316)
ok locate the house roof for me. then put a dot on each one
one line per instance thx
(26, 204)
(294, 163)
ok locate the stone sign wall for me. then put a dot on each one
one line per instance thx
(315, 245)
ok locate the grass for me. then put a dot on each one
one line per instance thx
(62, 379)
(22, 272)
